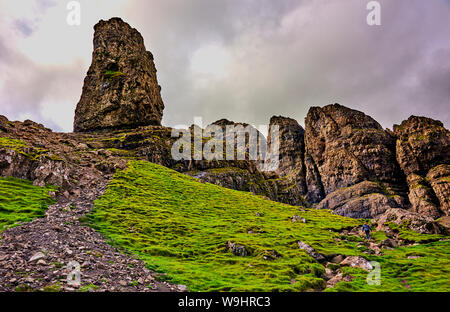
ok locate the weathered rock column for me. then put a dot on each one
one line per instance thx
(121, 89)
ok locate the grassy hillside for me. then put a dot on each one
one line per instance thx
(181, 227)
(20, 201)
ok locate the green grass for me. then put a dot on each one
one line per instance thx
(181, 227)
(110, 74)
(429, 272)
(20, 201)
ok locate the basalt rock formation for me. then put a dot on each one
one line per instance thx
(343, 160)
(121, 89)
(423, 146)
(345, 147)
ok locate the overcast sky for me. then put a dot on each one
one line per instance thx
(244, 60)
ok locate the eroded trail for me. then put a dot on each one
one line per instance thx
(35, 256)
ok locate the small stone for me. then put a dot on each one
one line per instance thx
(338, 259)
(123, 283)
(182, 288)
(41, 262)
(37, 256)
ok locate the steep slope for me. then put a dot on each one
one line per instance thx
(212, 238)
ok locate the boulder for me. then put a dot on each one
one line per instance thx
(356, 261)
(238, 250)
(121, 89)
(310, 251)
(363, 200)
(413, 220)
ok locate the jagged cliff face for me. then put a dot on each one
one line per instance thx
(121, 89)
(291, 168)
(345, 147)
(423, 146)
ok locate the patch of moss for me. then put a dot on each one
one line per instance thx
(11, 143)
(20, 201)
(181, 227)
(110, 75)
(28, 151)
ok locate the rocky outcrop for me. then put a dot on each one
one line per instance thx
(363, 200)
(30, 151)
(345, 147)
(422, 153)
(291, 151)
(414, 221)
(121, 89)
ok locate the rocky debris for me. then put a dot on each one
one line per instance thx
(363, 200)
(412, 220)
(345, 147)
(422, 153)
(310, 251)
(38, 254)
(339, 277)
(238, 250)
(356, 261)
(121, 89)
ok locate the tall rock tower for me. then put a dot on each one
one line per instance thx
(121, 89)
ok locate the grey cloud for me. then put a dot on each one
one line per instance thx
(330, 56)
(286, 56)
(24, 27)
(26, 87)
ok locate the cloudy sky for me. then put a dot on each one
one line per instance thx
(244, 60)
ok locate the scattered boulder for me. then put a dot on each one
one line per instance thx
(238, 250)
(338, 278)
(363, 200)
(296, 218)
(412, 220)
(337, 259)
(311, 252)
(356, 261)
(271, 255)
(389, 242)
